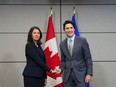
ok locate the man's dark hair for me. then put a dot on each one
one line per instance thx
(68, 22)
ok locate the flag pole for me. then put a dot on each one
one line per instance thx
(74, 10)
(51, 11)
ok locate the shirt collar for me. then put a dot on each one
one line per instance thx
(72, 38)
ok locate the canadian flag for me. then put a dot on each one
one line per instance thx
(52, 57)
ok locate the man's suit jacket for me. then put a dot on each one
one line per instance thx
(80, 61)
(36, 64)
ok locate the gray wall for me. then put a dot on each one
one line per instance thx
(95, 19)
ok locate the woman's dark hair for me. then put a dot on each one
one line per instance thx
(30, 39)
(68, 22)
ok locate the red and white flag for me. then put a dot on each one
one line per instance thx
(52, 57)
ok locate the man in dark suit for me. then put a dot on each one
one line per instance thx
(76, 61)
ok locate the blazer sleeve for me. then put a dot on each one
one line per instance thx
(88, 58)
(35, 57)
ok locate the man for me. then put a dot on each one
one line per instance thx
(76, 61)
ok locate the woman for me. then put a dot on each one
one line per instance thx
(35, 70)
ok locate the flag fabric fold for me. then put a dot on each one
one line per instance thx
(52, 57)
(75, 25)
(77, 34)
(87, 85)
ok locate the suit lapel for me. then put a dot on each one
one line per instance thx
(74, 46)
(66, 47)
(38, 50)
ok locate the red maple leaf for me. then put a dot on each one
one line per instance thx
(52, 62)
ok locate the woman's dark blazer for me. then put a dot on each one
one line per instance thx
(36, 64)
